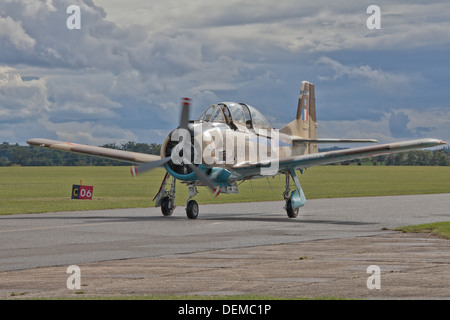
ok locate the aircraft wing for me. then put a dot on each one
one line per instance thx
(120, 155)
(323, 158)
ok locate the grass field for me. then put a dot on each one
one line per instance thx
(48, 189)
(440, 229)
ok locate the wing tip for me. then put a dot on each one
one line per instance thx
(435, 142)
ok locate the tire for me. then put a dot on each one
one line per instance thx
(166, 206)
(192, 209)
(292, 213)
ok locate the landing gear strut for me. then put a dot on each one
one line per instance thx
(291, 212)
(168, 199)
(295, 199)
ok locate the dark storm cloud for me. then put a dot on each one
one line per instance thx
(398, 125)
(127, 67)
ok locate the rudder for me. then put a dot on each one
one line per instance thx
(305, 123)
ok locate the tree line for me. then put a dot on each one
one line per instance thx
(14, 154)
(439, 157)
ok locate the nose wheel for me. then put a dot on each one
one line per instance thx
(192, 205)
(192, 209)
(166, 199)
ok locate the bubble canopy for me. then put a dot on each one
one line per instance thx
(236, 113)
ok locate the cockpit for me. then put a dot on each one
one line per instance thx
(235, 115)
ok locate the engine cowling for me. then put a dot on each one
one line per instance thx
(180, 170)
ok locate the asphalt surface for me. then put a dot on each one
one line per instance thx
(66, 238)
(247, 248)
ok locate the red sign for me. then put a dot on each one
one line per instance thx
(82, 192)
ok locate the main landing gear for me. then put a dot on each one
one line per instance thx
(167, 206)
(295, 199)
(166, 199)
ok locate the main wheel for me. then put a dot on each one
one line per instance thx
(192, 209)
(167, 206)
(292, 213)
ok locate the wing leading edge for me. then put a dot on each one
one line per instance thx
(317, 140)
(296, 162)
(323, 158)
(120, 155)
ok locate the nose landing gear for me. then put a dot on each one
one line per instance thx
(166, 199)
(192, 205)
(192, 209)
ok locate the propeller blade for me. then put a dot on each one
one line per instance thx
(185, 105)
(204, 178)
(184, 121)
(148, 166)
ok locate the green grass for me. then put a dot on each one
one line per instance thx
(440, 229)
(48, 189)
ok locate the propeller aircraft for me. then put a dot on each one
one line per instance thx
(233, 142)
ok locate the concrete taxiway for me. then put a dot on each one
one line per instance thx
(65, 238)
(231, 232)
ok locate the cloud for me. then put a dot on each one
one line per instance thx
(420, 123)
(41, 37)
(94, 132)
(12, 32)
(20, 100)
(356, 129)
(94, 76)
(398, 125)
(383, 80)
(290, 25)
(130, 62)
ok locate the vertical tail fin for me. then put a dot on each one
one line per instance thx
(305, 123)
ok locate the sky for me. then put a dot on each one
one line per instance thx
(121, 76)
